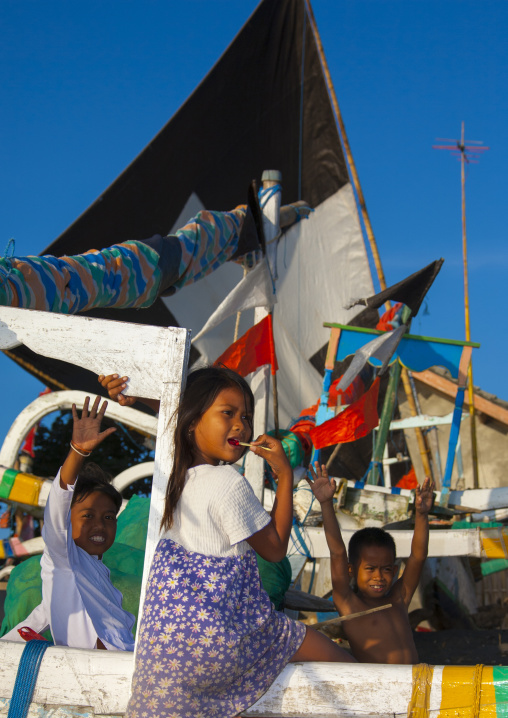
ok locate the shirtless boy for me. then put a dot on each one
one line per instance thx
(384, 636)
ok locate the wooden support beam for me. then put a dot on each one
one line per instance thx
(457, 542)
(445, 386)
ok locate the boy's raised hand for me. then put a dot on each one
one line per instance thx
(86, 432)
(424, 496)
(322, 486)
(115, 385)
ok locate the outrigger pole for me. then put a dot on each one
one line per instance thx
(391, 395)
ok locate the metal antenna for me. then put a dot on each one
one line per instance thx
(466, 153)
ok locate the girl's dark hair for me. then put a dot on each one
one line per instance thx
(371, 536)
(202, 388)
(92, 478)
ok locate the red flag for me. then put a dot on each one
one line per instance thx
(28, 445)
(409, 481)
(252, 350)
(391, 319)
(351, 424)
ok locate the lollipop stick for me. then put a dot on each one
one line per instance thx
(242, 443)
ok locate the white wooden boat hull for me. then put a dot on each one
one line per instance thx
(75, 682)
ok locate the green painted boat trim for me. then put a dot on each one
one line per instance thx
(376, 332)
(500, 676)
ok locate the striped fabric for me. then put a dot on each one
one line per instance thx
(209, 240)
(122, 276)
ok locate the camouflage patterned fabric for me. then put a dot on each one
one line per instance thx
(131, 274)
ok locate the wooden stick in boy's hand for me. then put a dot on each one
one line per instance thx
(349, 617)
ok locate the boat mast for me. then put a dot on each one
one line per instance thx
(467, 153)
(347, 148)
(470, 389)
(422, 443)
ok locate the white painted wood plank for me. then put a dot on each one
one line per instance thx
(423, 420)
(100, 681)
(73, 677)
(328, 690)
(173, 374)
(38, 710)
(99, 345)
(481, 499)
(460, 542)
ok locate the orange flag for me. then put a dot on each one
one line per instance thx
(351, 424)
(252, 350)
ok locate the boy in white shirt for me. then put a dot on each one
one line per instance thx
(80, 605)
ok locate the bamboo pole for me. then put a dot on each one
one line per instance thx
(423, 446)
(422, 442)
(470, 388)
(349, 617)
(384, 422)
(347, 149)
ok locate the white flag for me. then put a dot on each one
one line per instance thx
(254, 290)
(382, 348)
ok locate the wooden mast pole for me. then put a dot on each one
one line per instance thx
(422, 443)
(347, 149)
(470, 388)
(466, 153)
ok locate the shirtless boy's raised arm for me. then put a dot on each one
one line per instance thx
(323, 488)
(420, 543)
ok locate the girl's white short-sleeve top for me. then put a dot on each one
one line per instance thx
(217, 512)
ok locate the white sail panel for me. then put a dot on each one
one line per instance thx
(321, 264)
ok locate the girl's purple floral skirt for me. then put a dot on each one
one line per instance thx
(210, 641)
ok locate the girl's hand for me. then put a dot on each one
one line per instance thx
(276, 457)
(115, 385)
(322, 486)
(86, 432)
(424, 496)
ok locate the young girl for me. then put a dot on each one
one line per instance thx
(210, 641)
(79, 603)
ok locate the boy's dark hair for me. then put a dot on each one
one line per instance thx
(202, 388)
(92, 478)
(370, 536)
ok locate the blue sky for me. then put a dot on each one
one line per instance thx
(86, 85)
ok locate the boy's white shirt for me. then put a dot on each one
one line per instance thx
(79, 602)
